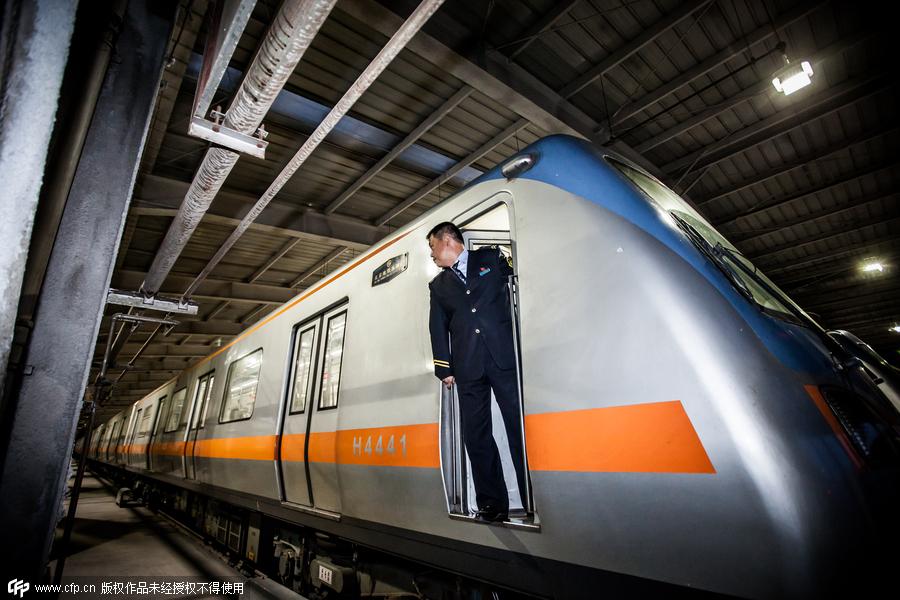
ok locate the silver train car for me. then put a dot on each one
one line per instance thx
(688, 429)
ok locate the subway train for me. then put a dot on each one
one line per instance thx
(689, 430)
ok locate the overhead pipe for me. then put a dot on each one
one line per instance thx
(287, 39)
(399, 41)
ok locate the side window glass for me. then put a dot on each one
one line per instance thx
(135, 430)
(331, 364)
(160, 416)
(114, 438)
(240, 388)
(175, 411)
(302, 370)
(145, 423)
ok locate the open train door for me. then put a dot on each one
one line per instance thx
(487, 224)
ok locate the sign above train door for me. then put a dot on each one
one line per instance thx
(390, 269)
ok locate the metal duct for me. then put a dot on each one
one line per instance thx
(289, 36)
(378, 64)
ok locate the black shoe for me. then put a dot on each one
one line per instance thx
(489, 514)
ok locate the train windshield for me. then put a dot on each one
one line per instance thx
(742, 273)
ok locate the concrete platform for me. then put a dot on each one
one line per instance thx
(132, 545)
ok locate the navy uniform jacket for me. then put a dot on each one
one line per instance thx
(474, 317)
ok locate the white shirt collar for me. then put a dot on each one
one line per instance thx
(462, 261)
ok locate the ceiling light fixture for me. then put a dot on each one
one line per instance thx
(793, 75)
(873, 266)
(895, 329)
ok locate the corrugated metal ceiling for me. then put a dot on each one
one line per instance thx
(804, 185)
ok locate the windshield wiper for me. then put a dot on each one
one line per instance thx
(716, 254)
(722, 252)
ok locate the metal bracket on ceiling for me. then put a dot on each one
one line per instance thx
(227, 20)
(215, 132)
(139, 300)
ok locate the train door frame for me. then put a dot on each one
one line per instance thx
(197, 421)
(295, 427)
(112, 441)
(456, 473)
(97, 441)
(136, 415)
(127, 433)
(158, 421)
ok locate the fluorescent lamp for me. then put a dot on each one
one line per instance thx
(792, 77)
(873, 266)
(895, 329)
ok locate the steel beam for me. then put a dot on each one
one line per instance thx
(855, 205)
(760, 208)
(856, 226)
(855, 249)
(547, 20)
(161, 196)
(811, 275)
(253, 314)
(785, 120)
(852, 293)
(629, 49)
(69, 310)
(803, 161)
(162, 349)
(835, 49)
(287, 247)
(408, 141)
(319, 265)
(215, 289)
(623, 113)
(498, 79)
(449, 174)
(853, 286)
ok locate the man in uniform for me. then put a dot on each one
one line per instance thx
(470, 309)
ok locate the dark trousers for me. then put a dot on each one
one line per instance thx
(475, 411)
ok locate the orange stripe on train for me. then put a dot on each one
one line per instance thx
(642, 438)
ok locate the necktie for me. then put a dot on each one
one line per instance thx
(459, 273)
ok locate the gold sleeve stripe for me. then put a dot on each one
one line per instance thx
(442, 363)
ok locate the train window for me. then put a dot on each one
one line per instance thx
(302, 370)
(331, 364)
(176, 410)
(97, 441)
(113, 440)
(748, 278)
(201, 399)
(160, 415)
(144, 427)
(240, 388)
(135, 425)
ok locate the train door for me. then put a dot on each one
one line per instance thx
(487, 224)
(197, 421)
(143, 437)
(171, 452)
(119, 455)
(109, 453)
(308, 441)
(97, 441)
(155, 431)
(131, 447)
(125, 441)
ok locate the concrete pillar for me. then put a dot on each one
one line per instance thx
(34, 46)
(69, 310)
